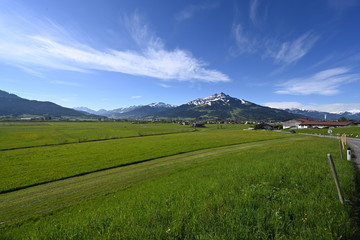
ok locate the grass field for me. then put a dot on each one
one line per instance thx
(24, 167)
(28, 134)
(213, 184)
(349, 131)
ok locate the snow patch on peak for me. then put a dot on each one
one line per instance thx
(161, 105)
(217, 97)
(350, 112)
(209, 100)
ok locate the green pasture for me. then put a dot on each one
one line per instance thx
(349, 131)
(262, 186)
(28, 134)
(30, 166)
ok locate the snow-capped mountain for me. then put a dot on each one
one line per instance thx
(217, 97)
(160, 105)
(214, 107)
(318, 115)
(132, 111)
(222, 106)
(122, 110)
(87, 110)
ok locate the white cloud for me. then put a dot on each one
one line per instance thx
(332, 108)
(291, 51)
(43, 45)
(326, 82)
(283, 105)
(136, 97)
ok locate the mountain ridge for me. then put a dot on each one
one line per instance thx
(13, 105)
(214, 107)
(319, 115)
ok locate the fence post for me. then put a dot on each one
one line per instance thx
(334, 173)
(341, 151)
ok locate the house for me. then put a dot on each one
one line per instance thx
(309, 123)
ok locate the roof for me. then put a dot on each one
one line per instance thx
(306, 121)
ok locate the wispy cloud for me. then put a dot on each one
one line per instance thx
(42, 45)
(283, 53)
(332, 108)
(164, 85)
(66, 83)
(141, 32)
(341, 5)
(245, 43)
(136, 97)
(291, 51)
(191, 10)
(254, 4)
(327, 82)
(283, 105)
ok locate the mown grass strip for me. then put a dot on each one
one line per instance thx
(46, 197)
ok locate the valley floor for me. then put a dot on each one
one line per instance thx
(213, 184)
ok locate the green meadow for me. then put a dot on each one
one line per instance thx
(29, 134)
(214, 183)
(353, 132)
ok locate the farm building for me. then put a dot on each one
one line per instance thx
(308, 123)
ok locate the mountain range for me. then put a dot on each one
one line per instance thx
(215, 107)
(139, 111)
(219, 106)
(317, 115)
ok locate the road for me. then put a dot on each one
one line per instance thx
(355, 148)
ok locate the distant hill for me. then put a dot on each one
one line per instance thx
(146, 111)
(140, 111)
(12, 105)
(318, 115)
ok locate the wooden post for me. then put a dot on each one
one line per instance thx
(341, 151)
(343, 140)
(334, 173)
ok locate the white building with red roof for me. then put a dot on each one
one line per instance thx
(301, 123)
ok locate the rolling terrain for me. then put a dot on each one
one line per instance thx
(13, 106)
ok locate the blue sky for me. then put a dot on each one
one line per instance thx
(110, 54)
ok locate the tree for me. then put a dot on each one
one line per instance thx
(343, 119)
